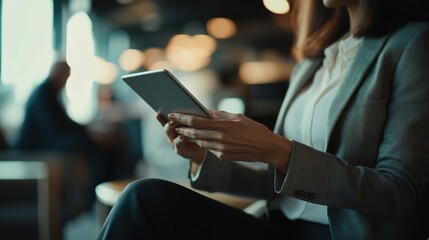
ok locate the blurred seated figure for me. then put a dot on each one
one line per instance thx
(3, 142)
(48, 127)
(46, 124)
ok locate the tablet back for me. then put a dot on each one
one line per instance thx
(164, 93)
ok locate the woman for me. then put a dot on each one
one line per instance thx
(349, 155)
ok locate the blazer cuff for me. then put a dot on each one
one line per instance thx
(280, 177)
(302, 179)
(197, 174)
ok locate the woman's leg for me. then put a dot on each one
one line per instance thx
(157, 209)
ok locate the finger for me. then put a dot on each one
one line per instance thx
(191, 120)
(209, 145)
(199, 134)
(222, 151)
(178, 140)
(167, 127)
(224, 115)
(160, 119)
(177, 144)
(169, 131)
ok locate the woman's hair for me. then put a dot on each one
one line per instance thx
(317, 26)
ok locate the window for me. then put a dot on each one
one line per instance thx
(27, 42)
(80, 55)
(27, 54)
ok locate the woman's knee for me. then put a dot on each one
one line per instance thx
(147, 188)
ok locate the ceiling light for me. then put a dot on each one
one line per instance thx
(277, 6)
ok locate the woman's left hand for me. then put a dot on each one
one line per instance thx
(235, 137)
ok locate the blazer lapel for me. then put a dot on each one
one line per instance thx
(364, 58)
(301, 77)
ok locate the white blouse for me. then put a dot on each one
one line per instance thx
(307, 118)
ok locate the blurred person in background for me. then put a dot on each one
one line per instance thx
(3, 143)
(46, 124)
(48, 127)
(349, 156)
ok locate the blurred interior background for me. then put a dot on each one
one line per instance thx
(232, 55)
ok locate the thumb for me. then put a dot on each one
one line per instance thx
(160, 118)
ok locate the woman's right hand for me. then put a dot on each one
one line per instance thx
(179, 143)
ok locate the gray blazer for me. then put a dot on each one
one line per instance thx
(373, 175)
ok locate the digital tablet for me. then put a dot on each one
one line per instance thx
(164, 93)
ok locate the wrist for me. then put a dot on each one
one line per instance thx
(280, 149)
(198, 157)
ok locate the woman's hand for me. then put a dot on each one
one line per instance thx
(180, 144)
(233, 137)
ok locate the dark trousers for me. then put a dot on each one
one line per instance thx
(158, 209)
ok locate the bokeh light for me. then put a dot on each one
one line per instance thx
(131, 59)
(221, 28)
(259, 72)
(105, 72)
(190, 53)
(277, 6)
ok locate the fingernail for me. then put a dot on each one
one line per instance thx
(179, 130)
(171, 116)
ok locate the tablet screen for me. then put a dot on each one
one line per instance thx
(164, 93)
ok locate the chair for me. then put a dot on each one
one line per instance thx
(39, 192)
(30, 200)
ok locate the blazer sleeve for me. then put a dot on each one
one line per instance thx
(397, 179)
